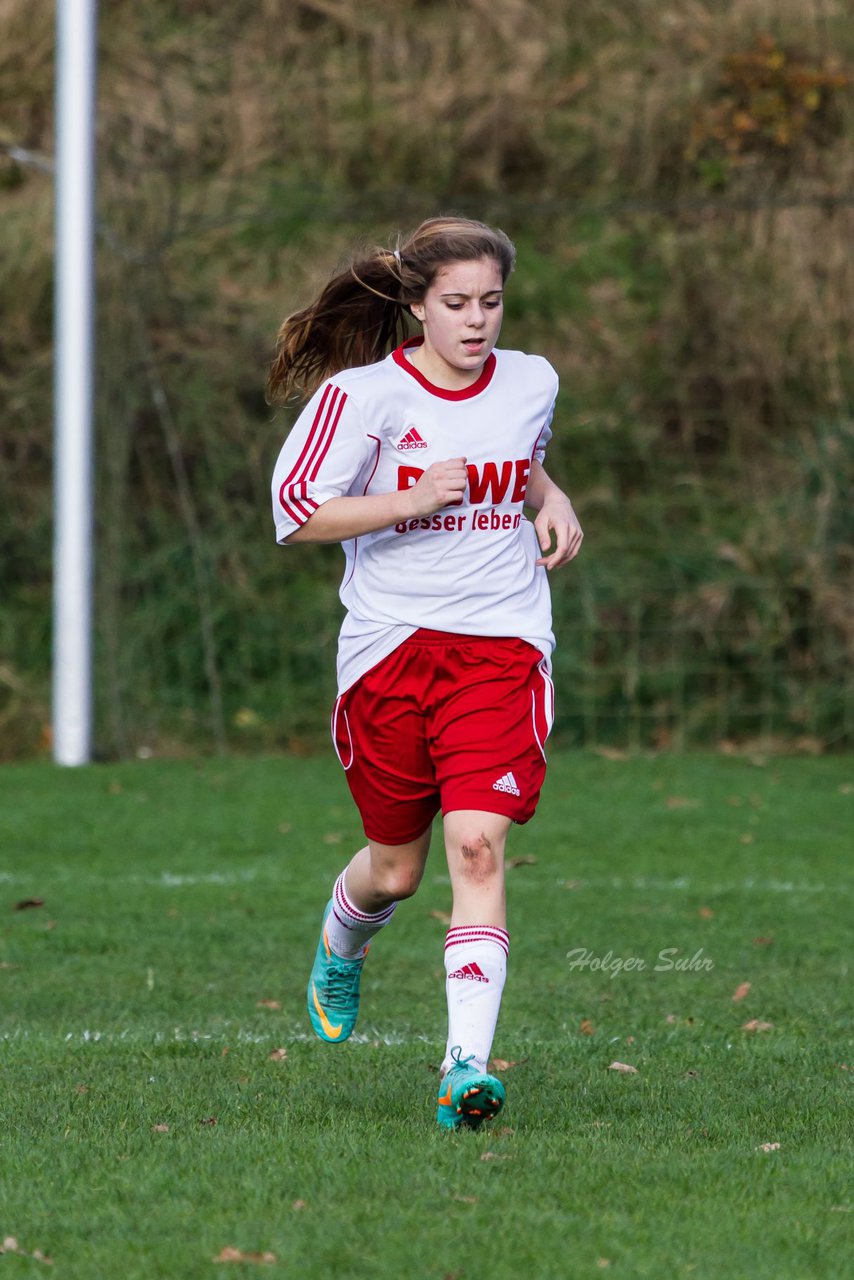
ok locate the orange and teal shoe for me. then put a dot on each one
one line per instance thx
(467, 1097)
(333, 990)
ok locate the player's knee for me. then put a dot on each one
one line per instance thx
(479, 858)
(397, 883)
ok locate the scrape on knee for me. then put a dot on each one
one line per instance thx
(478, 858)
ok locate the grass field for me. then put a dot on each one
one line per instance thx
(149, 1124)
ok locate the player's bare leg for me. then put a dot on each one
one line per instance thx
(363, 901)
(475, 963)
(381, 874)
(474, 845)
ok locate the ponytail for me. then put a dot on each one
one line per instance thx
(363, 312)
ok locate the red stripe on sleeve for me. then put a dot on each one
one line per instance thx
(297, 494)
(290, 494)
(332, 431)
(320, 436)
(292, 515)
(293, 492)
(318, 417)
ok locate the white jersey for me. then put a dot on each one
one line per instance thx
(469, 569)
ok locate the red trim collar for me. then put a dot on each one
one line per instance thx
(480, 384)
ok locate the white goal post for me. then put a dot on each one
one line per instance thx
(74, 297)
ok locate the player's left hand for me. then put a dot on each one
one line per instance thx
(559, 533)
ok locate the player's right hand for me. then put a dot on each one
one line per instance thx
(443, 484)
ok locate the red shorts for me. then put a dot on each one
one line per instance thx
(445, 721)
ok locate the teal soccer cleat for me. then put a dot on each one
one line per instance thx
(333, 990)
(467, 1097)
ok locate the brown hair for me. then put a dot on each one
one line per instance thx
(362, 313)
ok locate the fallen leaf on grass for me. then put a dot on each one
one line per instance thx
(278, 1055)
(768, 1146)
(82, 1088)
(332, 837)
(441, 915)
(706, 913)
(741, 991)
(755, 1024)
(524, 860)
(467, 1199)
(671, 1018)
(693, 1075)
(624, 1067)
(297, 1205)
(208, 1120)
(746, 837)
(230, 1254)
(587, 1028)
(160, 1128)
(573, 884)
(494, 1155)
(603, 1262)
(268, 1004)
(611, 753)
(846, 788)
(505, 1064)
(10, 1245)
(843, 1066)
(763, 942)
(682, 802)
(26, 904)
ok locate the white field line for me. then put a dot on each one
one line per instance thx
(684, 884)
(136, 1036)
(228, 879)
(161, 880)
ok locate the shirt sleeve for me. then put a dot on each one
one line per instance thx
(545, 435)
(550, 390)
(321, 458)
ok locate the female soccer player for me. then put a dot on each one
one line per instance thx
(418, 455)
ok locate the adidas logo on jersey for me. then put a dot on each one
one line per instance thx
(472, 972)
(508, 784)
(411, 439)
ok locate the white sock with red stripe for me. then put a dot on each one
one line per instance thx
(348, 929)
(476, 965)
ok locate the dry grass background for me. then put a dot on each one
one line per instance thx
(679, 179)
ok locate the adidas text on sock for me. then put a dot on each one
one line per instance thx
(476, 967)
